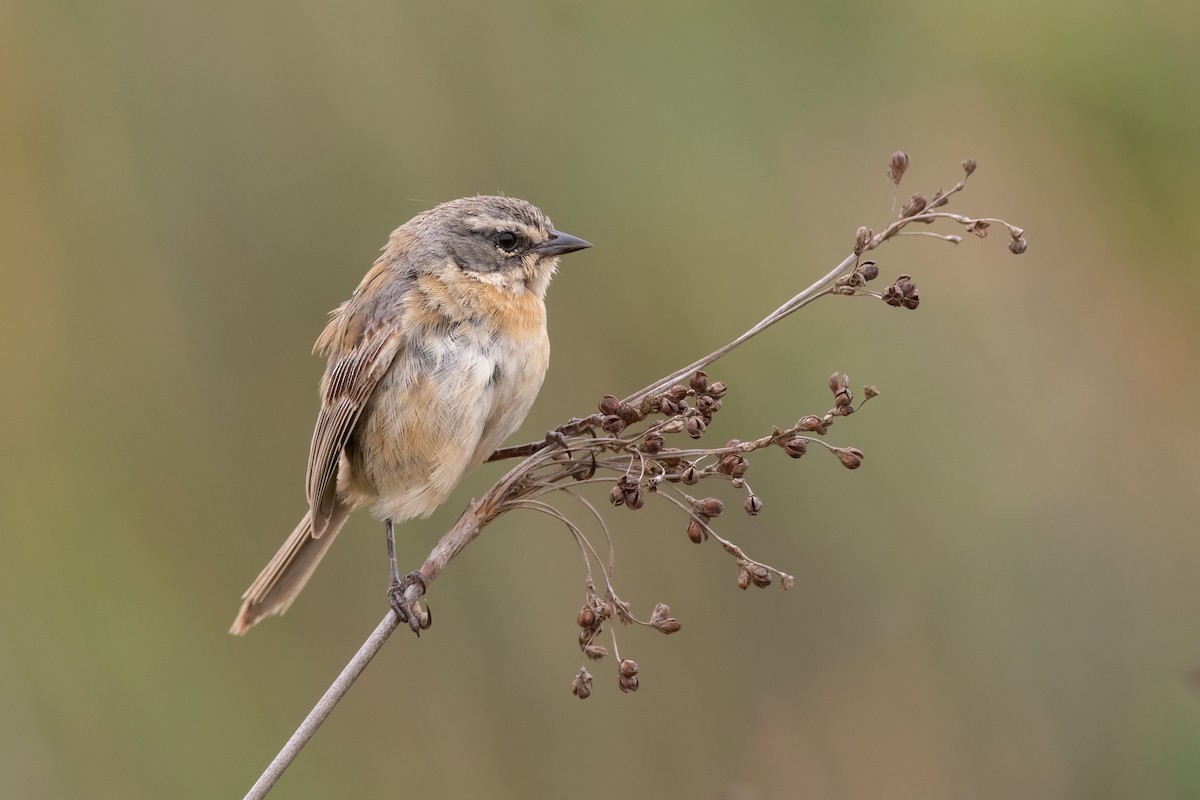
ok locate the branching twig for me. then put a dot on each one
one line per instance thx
(639, 462)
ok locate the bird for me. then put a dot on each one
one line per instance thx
(433, 362)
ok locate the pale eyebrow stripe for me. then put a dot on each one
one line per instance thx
(497, 224)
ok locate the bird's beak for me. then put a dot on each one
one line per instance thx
(560, 243)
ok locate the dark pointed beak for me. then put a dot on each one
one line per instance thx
(560, 243)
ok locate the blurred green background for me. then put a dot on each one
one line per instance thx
(1001, 603)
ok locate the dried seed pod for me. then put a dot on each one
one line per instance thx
(760, 576)
(1017, 245)
(653, 443)
(729, 463)
(691, 475)
(915, 205)
(897, 166)
(795, 447)
(717, 389)
(662, 620)
(979, 228)
(809, 423)
(695, 531)
(968, 166)
(581, 687)
(870, 391)
(709, 507)
(595, 652)
(695, 427)
(609, 405)
(629, 684)
(743, 577)
(613, 425)
(627, 668)
(868, 270)
(862, 238)
(616, 496)
(635, 499)
(707, 404)
(586, 617)
(699, 381)
(850, 457)
(670, 407)
(678, 392)
(628, 413)
(753, 505)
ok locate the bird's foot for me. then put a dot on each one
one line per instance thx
(410, 611)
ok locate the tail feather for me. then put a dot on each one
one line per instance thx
(288, 570)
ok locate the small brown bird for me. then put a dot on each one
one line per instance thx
(433, 362)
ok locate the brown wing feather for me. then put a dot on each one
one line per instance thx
(360, 353)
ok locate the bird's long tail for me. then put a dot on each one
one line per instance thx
(288, 570)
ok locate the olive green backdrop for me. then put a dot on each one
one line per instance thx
(1001, 603)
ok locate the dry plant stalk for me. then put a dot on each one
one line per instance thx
(628, 445)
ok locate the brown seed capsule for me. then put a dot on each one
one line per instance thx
(653, 443)
(738, 483)
(670, 407)
(868, 270)
(613, 425)
(629, 684)
(581, 687)
(695, 531)
(627, 668)
(609, 404)
(691, 475)
(728, 463)
(760, 576)
(870, 391)
(897, 166)
(1017, 245)
(717, 389)
(628, 413)
(670, 625)
(753, 505)
(739, 471)
(586, 617)
(809, 423)
(968, 166)
(699, 381)
(635, 499)
(595, 652)
(861, 238)
(850, 457)
(915, 205)
(678, 392)
(743, 579)
(911, 300)
(706, 404)
(795, 447)
(695, 427)
(979, 228)
(709, 507)
(617, 496)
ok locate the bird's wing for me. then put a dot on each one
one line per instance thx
(361, 348)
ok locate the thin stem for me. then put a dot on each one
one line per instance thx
(796, 303)
(324, 706)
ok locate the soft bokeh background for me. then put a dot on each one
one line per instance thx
(1001, 603)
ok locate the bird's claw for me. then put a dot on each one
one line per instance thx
(409, 611)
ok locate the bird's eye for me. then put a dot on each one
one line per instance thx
(506, 240)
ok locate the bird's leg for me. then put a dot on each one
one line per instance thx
(408, 611)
